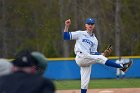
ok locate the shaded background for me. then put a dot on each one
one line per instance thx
(38, 25)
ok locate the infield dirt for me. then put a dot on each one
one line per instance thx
(112, 90)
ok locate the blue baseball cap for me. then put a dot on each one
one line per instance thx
(90, 21)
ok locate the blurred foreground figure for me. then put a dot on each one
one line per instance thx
(5, 67)
(24, 78)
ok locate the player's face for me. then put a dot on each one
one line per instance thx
(90, 27)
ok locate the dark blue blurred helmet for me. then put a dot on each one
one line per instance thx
(90, 21)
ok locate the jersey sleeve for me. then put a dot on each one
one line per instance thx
(71, 35)
(75, 35)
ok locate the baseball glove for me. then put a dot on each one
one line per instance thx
(108, 51)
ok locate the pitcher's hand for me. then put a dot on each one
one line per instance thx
(67, 23)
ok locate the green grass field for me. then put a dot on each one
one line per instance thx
(98, 83)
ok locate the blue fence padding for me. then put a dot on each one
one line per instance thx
(102, 71)
(134, 71)
(63, 69)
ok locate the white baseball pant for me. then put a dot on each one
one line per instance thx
(85, 62)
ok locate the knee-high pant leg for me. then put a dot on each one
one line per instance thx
(85, 76)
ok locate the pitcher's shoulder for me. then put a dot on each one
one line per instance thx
(81, 32)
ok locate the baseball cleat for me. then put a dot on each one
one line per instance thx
(126, 66)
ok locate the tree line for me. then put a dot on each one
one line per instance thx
(39, 24)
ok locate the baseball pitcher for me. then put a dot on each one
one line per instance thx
(86, 51)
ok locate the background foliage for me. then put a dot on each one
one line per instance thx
(38, 25)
